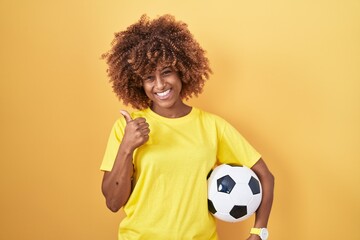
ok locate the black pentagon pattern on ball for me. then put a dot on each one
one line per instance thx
(238, 211)
(225, 184)
(211, 207)
(254, 185)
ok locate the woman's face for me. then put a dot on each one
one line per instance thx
(163, 88)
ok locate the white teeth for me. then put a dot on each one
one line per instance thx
(162, 94)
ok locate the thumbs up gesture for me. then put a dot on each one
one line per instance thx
(136, 131)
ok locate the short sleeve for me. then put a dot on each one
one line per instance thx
(233, 148)
(116, 134)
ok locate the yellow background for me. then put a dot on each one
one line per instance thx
(286, 74)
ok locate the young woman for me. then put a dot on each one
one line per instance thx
(157, 158)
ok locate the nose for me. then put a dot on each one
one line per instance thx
(159, 83)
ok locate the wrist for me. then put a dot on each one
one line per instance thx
(263, 233)
(126, 150)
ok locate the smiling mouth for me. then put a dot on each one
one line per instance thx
(164, 94)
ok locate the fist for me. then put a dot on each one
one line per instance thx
(136, 131)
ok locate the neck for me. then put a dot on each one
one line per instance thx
(178, 111)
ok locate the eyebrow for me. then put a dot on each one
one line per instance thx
(165, 68)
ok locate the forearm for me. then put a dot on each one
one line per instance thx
(116, 185)
(267, 183)
(263, 212)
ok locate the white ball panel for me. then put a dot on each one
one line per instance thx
(222, 202)
(241, 194)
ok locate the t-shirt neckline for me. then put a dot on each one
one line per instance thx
(187, 117)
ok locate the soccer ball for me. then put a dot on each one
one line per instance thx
(234, 193)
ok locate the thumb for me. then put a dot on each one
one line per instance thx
(126, 116)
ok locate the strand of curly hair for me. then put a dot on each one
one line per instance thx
(148, 44)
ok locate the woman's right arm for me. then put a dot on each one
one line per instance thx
(116, 184)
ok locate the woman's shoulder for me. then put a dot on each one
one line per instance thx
(211, 116)
(208, 114)
(139, 113)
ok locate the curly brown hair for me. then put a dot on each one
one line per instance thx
(148, 44)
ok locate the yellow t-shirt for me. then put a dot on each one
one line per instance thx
(169, 200)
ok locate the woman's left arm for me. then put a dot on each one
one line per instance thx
(267, 183)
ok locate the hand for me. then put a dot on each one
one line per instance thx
(253, 237)
(136, 131)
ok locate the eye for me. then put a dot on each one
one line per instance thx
(167, 71)
(149, 78)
